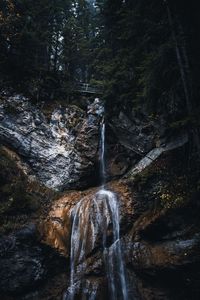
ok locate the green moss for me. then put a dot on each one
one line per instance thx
(165, 183)
(172, 200)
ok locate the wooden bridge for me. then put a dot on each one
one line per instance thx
(87, 88)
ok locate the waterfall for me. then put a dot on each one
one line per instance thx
(102, 154)
(92, 221)
(113, 255)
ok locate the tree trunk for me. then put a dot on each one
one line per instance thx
(184, 68)
(180, 61)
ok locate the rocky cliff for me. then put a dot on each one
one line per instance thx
(61, 153)
(159, 203)
(159, 227)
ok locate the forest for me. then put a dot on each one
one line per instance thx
(99, 149)
(142, 52)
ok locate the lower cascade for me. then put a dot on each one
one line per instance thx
(95, 225)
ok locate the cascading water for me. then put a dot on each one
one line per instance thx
(96, 222)
(102, 154)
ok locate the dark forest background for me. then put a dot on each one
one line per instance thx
(144, 53)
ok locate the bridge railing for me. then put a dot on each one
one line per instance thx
(88, 88)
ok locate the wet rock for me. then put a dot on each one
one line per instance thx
(160, 241)
(164, 255)
(21, 271)
(26, 233)
(91, 288)
(22, 266)
(25, 263)
(55, 227)
(62, 153)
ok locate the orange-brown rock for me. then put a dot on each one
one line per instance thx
(55, 228)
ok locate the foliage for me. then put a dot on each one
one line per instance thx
(44, 46)
(129, 46)
(145, 54)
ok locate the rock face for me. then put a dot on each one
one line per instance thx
(139, 139)
(159, 233)
(56, 227)
(25, 262)
(159, 218)
(61, 153)
(140, 134)
(155, 153)
(56, 231)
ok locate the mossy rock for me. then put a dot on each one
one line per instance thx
(19, 197)
(166, 183)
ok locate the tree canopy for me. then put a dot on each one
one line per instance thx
(144, 52)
